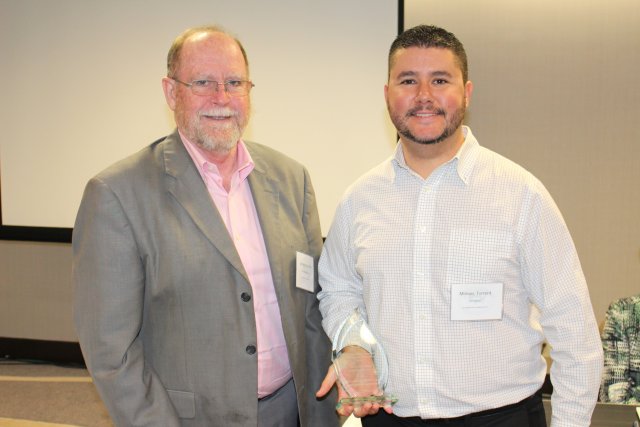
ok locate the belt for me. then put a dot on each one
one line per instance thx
(506, 408)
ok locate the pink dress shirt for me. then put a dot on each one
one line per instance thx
(238, 211)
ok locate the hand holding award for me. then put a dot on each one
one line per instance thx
(360, 364)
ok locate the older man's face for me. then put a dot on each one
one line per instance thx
(215, 122)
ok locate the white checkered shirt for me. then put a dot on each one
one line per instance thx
(398, 243)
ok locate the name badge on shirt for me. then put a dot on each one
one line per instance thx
(476, 301)
(304, 272)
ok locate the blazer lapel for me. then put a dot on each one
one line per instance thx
(266, 196)
(185, 184)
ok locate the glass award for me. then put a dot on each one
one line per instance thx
(360, 364)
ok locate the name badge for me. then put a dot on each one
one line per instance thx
(476, 301)
(304, 272)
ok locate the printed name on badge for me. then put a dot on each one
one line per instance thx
(476, 301)
(305, 273)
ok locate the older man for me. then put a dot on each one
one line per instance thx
(187, 306)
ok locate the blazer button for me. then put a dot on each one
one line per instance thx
(251, 349)
(245, 297)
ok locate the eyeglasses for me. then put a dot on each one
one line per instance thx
(209, 87)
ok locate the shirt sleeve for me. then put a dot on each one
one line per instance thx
(340, 283)
(553, 276)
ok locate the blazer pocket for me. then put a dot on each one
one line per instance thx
(184, 402)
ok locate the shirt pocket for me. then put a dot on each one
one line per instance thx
(480, 256)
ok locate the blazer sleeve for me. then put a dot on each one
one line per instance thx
(109, 280)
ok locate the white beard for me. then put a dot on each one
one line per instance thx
(217, 138)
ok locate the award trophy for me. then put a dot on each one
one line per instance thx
(360, 364)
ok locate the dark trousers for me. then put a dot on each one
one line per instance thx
(527, 413)
(279, 409)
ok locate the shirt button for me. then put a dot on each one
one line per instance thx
(251, 349)
(245, 297)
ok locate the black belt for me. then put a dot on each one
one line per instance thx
(506, 408)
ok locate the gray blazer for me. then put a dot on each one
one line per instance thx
(162, 321)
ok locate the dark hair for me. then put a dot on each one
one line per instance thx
(173, 57)
(431, 36)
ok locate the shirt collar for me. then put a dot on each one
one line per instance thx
(244, 162)
(465, 157)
